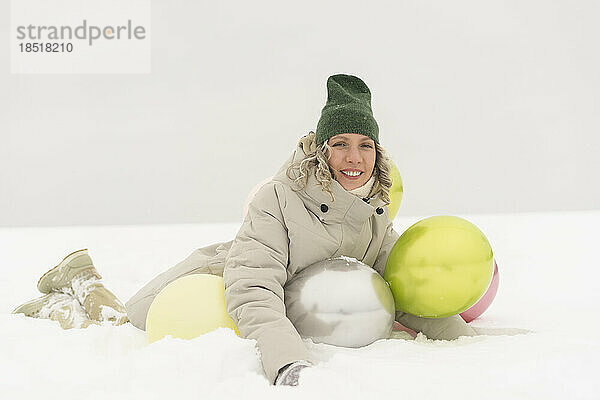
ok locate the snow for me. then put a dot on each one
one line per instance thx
(542, 327)
(65, 305)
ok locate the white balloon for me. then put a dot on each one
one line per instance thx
(340, 301)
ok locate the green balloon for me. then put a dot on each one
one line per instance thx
(439, 267)
(396, 191)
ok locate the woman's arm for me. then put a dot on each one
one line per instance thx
(254, 276)
(389, 240)
(448, 328)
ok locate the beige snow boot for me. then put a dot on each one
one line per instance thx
(77, 276)
(59, 307)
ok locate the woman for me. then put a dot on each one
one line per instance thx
(327, 200)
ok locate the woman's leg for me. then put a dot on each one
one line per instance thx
(201, 261)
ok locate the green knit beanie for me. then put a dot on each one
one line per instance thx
(348, 109)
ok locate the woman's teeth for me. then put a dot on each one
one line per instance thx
(351, 173)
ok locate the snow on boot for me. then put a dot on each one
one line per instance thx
(59, 307)
(77, 276)
(99, 302)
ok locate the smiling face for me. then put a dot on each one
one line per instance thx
(352, 159)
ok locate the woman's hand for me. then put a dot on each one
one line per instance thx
(289, 375)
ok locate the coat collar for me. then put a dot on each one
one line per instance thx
(346, 207)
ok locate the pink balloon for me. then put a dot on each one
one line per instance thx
(399, 327)
(484, 302)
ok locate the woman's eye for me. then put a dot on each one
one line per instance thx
(342, 144)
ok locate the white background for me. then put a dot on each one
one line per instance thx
(486, 107)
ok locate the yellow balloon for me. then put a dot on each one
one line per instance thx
(188, 307)
(396, 191)
(439, 267)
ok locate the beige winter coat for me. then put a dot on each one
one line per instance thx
(283, 232)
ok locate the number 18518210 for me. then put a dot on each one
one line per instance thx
(46, 47)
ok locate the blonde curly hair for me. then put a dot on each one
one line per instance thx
(317, 159)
